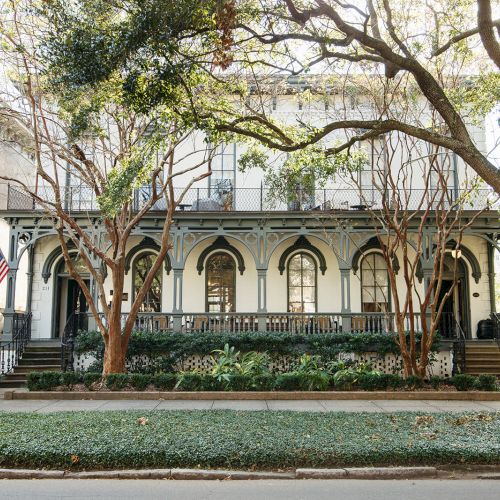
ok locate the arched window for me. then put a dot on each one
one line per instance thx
(302, 278)
(374, 283)
(220, 283)
(152, 300)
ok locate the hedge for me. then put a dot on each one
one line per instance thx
(168, 348)
(290, 381)
(245, 440)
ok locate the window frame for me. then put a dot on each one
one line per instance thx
(310, 256)
(389, 302)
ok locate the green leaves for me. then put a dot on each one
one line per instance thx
(244, 440)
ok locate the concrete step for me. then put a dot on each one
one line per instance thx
(35, 350)
(36, 368)
(33, 356)
(15, 376)
(38, 361)
(11, 384)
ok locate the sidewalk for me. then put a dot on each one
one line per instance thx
(378, 406)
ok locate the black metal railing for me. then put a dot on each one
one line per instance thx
(12, 351)
(261, 199)
(459, 348)
(496, 327)
(76, 322)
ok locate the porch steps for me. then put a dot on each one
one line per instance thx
(482, 356)
(38, 356)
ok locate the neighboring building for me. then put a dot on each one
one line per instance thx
(242, 260)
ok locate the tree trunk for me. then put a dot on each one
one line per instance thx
(114, 356)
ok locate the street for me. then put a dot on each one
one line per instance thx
(246, 490)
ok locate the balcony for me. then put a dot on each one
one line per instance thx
(82, 199)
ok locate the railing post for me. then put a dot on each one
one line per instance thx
(261, 197)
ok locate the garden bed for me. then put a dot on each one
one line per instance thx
(307, 381)
(266, 441)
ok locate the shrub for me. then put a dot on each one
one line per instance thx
(436, 382)
(164, 381)
(117, 381)
(289, 381)
(463, 382)
(393, 381)
(486, 382)
(299, 381)
(414, 382)
(90, 378)
(43, 381)
(189, 381)
(140, 381)
(372, 381)
(69, 379)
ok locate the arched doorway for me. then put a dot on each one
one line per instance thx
(68, 296)
(456, 307)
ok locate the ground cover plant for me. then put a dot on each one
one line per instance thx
(267, 440)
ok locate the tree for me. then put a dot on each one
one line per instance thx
(430, 45)
(94, 136)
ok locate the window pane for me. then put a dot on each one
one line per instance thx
(308, 294)
(295, 263)
(220, 280)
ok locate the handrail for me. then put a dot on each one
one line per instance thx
(496, 319)
(459, 349)
(13, 350)
(71, 328)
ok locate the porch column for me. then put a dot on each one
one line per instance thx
(10, 304)
(262, 299)
(345, 293)
(177, 298)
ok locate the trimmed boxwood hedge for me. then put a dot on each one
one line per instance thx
(245, 440)
(290, 381)
(168, 348)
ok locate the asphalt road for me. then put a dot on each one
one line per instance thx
(246, 490)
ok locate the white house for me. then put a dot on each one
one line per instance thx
(242, 259)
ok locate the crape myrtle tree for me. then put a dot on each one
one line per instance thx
(97, 136)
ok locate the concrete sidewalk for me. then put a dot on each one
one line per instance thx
(378, 406)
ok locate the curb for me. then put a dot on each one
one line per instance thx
(214, 474)
(256, 395)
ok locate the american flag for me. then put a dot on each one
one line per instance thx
(4, 268)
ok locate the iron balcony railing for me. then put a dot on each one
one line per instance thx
(82, 199)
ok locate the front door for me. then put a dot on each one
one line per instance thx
(70, 300)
